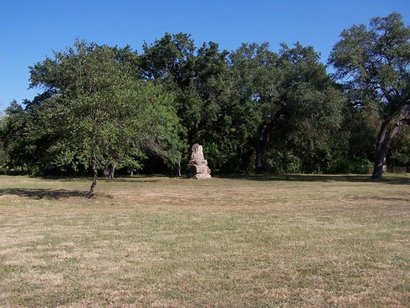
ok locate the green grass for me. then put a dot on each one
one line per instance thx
(238, 241)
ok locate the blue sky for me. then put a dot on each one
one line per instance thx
(30, 30)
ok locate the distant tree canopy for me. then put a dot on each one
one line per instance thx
(106, 108)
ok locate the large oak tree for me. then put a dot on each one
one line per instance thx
(374, 63)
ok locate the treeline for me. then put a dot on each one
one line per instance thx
(253, 109)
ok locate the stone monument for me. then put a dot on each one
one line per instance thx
(198, 165)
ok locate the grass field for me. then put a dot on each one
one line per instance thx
(253, 241)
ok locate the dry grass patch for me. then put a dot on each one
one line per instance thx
(255, 241)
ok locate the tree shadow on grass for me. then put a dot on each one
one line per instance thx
(134, 179)
(42, 193)
(395, 179)
(125, 179)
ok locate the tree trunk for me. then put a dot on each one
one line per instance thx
(177, 169)
(95, 175)
(261, 148)
(380, 154)
(111, 171)
(383, 145)
(378, 165)
(262, 142)
(260, 160)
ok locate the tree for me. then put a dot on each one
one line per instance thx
(373, 63)
(400, 149)
(282, 94)
(212, 85)
(22, 147)
(255, 78)
(353, 142)
(11, 134)
(169, 61)
(311, 108)
(104, 115)
(197, 77)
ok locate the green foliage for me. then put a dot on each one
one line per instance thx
(88, 106)
(288, 103)
(253, 109)
(199, 80)
(99, 113)
(350, 165)
(283, 162)
(373, 62)
(400, 152)
(21, 143)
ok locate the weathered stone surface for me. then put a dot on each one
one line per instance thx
(198, 165)
(197, 154)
